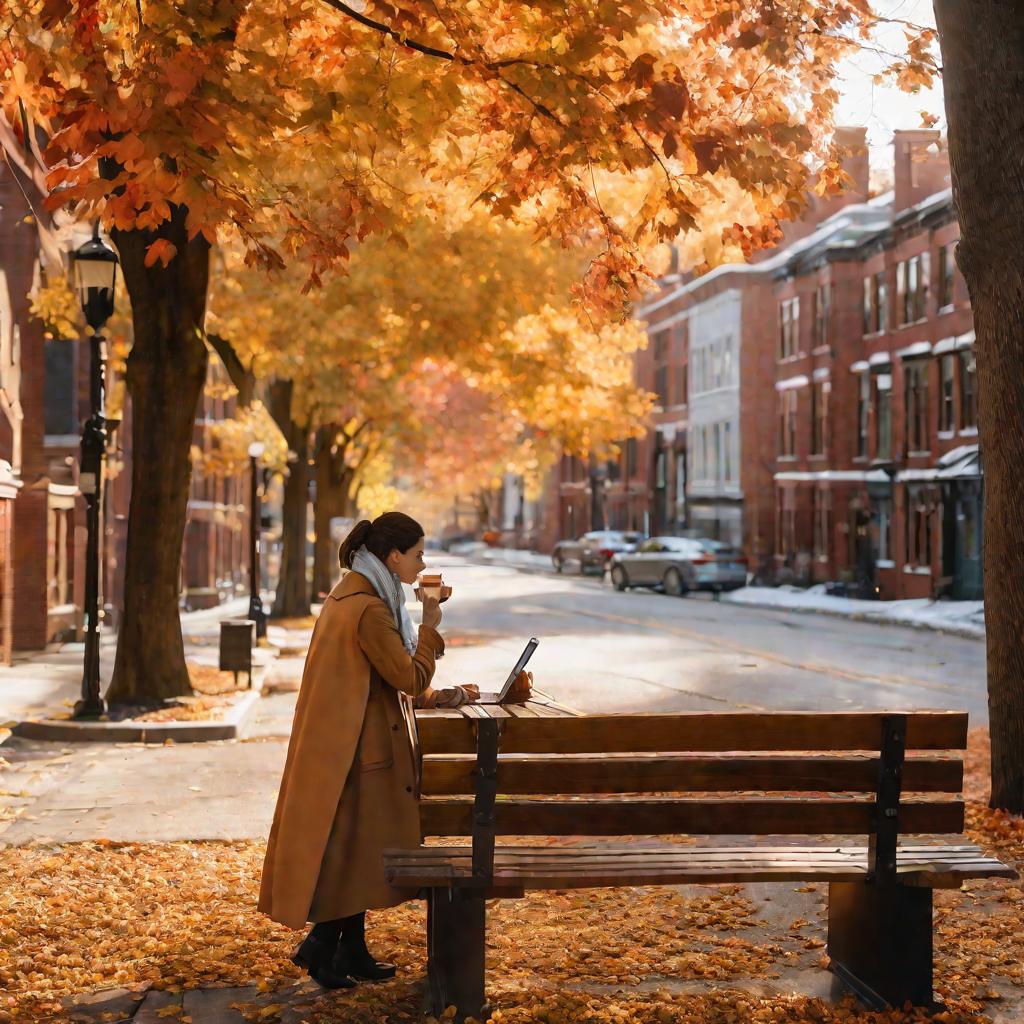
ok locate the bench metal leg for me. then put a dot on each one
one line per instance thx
(880, 942)
(456, 932)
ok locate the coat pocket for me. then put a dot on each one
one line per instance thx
(376, 747)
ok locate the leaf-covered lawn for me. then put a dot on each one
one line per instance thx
(96, 916)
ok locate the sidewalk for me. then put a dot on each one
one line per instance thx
(961, 618)
(49, 681)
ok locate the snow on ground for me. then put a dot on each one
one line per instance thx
(964, 617)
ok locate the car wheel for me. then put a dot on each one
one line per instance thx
(674, 583)
(556, 561)
(620, 581)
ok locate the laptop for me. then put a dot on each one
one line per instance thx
(502, 694)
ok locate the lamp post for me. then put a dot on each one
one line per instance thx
(256, 612)
(95, 271)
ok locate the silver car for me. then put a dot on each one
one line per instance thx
(679, 565)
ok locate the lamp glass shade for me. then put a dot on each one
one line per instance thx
(95, 269)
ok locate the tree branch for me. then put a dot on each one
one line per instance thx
(243, 379)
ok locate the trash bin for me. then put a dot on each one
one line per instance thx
(237, 637)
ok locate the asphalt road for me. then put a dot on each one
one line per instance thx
(644, 651)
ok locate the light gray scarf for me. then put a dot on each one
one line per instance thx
(389, 590)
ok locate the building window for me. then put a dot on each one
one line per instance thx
(59, 397)
(968, 389)
(882, 529)
(917, 405)
(819, 416)
(727, 452)
(912, 289)
(822, 523)
(919, 527)
(785, 522)
(727, 377)
(631, 458)
(787, 422)
(947, 267)
(822, 314)
(682, 383)
(680, 483)
(947, 393)
(661, 385)
(863, 413)
(789, 327)
(883, 415)
(876, 303)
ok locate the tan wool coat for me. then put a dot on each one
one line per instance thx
(348, 790)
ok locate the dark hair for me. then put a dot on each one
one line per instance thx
(386, 533)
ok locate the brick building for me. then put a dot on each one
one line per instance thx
(878, 479)
(44, 398)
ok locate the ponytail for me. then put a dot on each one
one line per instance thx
(391, 531)
(353, 542)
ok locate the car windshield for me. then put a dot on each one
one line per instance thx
(614, 536)
(677, 544)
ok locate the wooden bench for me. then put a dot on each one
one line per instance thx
(493, 773)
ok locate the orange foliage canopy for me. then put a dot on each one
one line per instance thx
(302, 126)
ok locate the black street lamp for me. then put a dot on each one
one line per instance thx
(256, 612)
(95, 271)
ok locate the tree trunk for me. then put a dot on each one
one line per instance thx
(983, 75)
(291, 598)
(166, 373)
(333, 480)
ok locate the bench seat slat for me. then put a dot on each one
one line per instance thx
(648, 816)
(718, 731)
(453, 775)
(568, 868)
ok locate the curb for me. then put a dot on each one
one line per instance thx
(227, 728)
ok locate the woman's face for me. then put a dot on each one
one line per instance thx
(407, 565)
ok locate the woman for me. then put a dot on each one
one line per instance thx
(348, 790)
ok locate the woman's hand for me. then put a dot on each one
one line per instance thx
(522, 688)
(431, 612)
(471, 690)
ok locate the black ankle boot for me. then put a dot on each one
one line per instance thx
(353, 958)
(317, 958)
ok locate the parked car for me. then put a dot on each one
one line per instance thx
(680, 564)
(594, 550)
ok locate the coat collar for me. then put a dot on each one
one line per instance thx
(352, 583)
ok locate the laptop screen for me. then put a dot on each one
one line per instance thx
(524, 659)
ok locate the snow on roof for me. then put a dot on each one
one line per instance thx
(860, 366)
(880, 359)
(946, 345)
(935, 200)
(965, 340)
(821, 373)
(792, 382)
(919, 348)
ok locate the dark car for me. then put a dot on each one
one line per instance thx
(593, 550)
(680, 564)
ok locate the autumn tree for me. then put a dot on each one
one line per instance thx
(280, 123)
(982, 43)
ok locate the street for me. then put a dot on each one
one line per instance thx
(600, 651)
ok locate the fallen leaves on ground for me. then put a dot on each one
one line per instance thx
(208, 680)
(85, 917)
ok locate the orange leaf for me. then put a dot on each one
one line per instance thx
(161, 250)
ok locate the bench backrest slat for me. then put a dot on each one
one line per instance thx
(453, 775)
(729, 731)
(755, 816)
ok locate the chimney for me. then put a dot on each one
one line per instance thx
(920, 166)
(852, 145)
